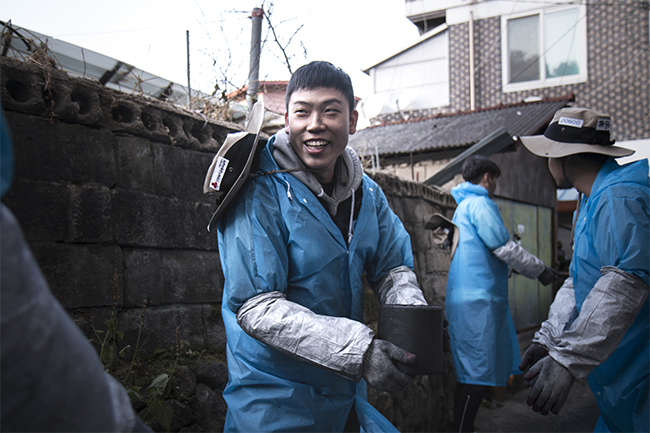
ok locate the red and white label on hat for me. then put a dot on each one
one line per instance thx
(218, 173)
(603, 124)
(570, 121)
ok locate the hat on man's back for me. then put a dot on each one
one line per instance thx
(233, 163)
(575, 130)
(445, 232)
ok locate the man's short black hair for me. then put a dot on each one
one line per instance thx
(321, 74)
(476, 166)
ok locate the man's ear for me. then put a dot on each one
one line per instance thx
(354, 117)
(286, 122)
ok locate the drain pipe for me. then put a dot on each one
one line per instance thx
(472, 96)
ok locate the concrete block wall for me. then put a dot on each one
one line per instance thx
(108, 190)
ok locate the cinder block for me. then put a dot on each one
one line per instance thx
(438, 260)
(179, 172)
(134, 164)
(61, 152)
(159, 326)
(164, 277)
(40, 207)
(89, 219)
(82, 275)
(146, 220)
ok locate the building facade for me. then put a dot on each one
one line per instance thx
(504, 52)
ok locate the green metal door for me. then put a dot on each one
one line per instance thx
(531, 227)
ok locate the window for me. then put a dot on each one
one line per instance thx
(543, 49)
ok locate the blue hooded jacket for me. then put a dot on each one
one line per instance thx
(482, 335)
(613, 229)
(277, 236)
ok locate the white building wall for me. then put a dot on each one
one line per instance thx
(414, 79)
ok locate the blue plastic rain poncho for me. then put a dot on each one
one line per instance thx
(482, 335)
(277, 237)
(613, 229)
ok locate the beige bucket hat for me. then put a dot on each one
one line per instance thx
(232, 164)
(443, 230)
(575, 130)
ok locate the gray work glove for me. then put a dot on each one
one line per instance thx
(551, 384)
(379, 367)
(547, 276)
(533, 354)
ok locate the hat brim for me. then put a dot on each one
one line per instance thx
(241, 179)
(438, 222)
(254, 127)
(547, 148)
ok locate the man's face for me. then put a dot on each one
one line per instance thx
(555, 167)
(319, 123)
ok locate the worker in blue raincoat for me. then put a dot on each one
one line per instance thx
(294, 245)
(598, 324)
(483, 340)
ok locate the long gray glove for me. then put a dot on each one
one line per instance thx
(379, 367)
(523, 262)
(606, 314)
(334, 343)
(562, 313)
(399, 287)
(551, 384)
(533, 354)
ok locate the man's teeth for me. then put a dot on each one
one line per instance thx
(316, 144)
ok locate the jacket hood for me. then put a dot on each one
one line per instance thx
(348, 171)
(467, 189)
(633, 172)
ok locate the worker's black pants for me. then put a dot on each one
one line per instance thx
(466, 403)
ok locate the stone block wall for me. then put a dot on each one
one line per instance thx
(108, 190)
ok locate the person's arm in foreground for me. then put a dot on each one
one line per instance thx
(52, 378)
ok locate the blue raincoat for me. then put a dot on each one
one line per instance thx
(613, 229)
(482, 335)
(278, 237)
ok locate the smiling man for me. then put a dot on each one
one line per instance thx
(294, 246)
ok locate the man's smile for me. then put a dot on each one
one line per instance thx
(316, 144)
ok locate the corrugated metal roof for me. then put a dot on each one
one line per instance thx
(455, 131)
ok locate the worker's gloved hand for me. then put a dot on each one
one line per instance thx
(551, 384)
(548, 276)
(379, 368)
(533, 354)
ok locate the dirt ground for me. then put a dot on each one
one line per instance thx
(512, 414)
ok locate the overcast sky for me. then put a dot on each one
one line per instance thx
(151, 35)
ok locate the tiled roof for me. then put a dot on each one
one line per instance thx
(456, 130)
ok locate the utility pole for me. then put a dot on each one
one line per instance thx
(254, 70)
(189, 86)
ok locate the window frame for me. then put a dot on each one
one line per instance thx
(581, 34)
